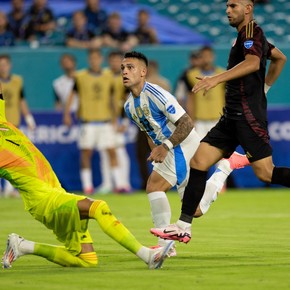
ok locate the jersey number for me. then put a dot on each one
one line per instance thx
(146, 125)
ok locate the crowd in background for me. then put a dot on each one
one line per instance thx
(90, 27)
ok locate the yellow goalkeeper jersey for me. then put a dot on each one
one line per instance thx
(24, 165)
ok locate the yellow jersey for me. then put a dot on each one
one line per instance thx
(210, 106)
(95, 91)
(13, 92)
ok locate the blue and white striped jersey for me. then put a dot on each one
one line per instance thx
(154, 111)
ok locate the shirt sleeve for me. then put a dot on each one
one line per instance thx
(252, 44)
(270, 47)
(172, 109)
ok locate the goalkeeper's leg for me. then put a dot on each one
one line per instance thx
(18, 246)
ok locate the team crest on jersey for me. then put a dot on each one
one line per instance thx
(139, 112)
(134, 117)
(248, 44)
(171, 109)
(145, 110)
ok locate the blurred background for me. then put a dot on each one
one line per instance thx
(171, 33)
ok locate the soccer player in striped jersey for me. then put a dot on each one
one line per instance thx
(66, 214)
(172, 138)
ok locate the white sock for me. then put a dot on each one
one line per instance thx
(105, 169)
(86, 178)
(116, 177)
(144, 254)
(183, 225)
(26, 247)
(215, 184)
(124, 166)
(160, 210)
(210, 195)
(224, 167)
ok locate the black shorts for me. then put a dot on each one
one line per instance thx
(228, 134)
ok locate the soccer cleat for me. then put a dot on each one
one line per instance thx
(12, 251)
(173, 232)
(238, 161)
(172, 252)
(158, 255)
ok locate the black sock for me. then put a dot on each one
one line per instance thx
(281, 175)
(193, 194)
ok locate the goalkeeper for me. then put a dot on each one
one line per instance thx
(67, 215)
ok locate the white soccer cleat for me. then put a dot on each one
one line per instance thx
(158, 255)
(172, 252)
(12, 251)
(173, 232)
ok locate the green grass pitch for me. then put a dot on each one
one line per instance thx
(242, 243)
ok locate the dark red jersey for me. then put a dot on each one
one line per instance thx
(245, 97)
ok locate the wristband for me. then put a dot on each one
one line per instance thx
(266, 88)
(168, 144)
(30, 121)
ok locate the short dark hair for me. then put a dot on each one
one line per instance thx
(5, 56)
(206, 48)
(115, 53)
(94, 50)
(138, 55)
(69, 56)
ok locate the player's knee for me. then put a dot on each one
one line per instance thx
(264, 176)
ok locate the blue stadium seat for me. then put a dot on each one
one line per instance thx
(208, 17)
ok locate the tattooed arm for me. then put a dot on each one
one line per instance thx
(184, 125)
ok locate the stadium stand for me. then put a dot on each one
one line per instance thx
(164, 24)
(208, 17)
(197, 22)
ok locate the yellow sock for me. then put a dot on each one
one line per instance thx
(100, 211)
(61, 256)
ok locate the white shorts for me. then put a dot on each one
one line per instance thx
(120, 139)
(175, 167)
(96, 135)
(203, 126)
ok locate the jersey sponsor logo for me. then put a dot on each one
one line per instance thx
(248, 44)
(171, 109)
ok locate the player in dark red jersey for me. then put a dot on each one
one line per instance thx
(244, 121)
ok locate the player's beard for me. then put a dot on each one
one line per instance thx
(237, 21)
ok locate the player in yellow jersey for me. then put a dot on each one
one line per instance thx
(67, 215)
(123, 185)
(96, 114)
(16, 104)
(206, 110)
